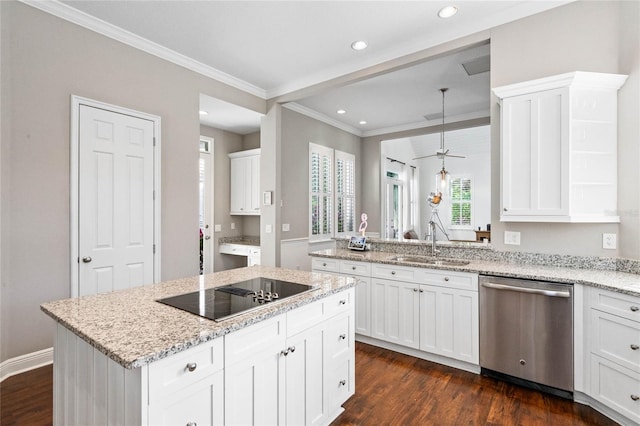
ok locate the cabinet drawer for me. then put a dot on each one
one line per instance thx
(448, 279)
(616, 303)
(355, 268)
(339, 303)
(393, 272)
(340, 382)
(173, 373)
(237, 249)
(338, 333)
(615, 338)
(325, 264)
(255, 340)
(304, 317)
(616, 387)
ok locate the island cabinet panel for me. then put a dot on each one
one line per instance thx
(91, 389)
(294, 369)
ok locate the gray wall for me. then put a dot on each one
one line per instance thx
(44, 61)
(581, 36)
(297, 131)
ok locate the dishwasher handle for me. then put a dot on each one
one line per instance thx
(543, 292)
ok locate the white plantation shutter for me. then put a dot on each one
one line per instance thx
(345, 192)
(331, 203)
(461, 196)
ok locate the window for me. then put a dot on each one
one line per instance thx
(460, 195)
(329, 206)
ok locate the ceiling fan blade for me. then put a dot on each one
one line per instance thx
(425, 156)
(456, 156)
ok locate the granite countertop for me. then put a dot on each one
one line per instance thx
(241, 240)
(131, 328)
(621, 282)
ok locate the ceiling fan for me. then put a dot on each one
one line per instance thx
(441, 153)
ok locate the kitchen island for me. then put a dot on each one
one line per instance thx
(124, 358)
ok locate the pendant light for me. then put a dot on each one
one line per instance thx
(444, 175)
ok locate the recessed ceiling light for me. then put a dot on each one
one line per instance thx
(203, 112)
(363, 122)
(359, 45)
(447, 11)
(341, 111)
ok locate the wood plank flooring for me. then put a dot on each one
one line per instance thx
(396, 389)
(391, 389)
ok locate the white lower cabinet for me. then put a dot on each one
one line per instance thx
(435, 311)
(449, 323)
(395, 313)
(612, 355)
(289, 377)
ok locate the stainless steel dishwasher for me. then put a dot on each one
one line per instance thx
(526, 333)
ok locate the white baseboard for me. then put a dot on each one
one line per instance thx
(26, 362)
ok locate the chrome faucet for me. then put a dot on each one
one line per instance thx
(432, 228)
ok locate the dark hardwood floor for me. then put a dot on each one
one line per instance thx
(396, 389)
(391, 389)
(27, 398)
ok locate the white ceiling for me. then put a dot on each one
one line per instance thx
(271, 48)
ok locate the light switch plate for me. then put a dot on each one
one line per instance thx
(268, 229)
(512, 238)
(218, 228)
(609, 241)
(285, 227)
(233, 225)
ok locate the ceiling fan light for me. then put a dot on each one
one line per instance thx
(359, 45)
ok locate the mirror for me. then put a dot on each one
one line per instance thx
(407, 182)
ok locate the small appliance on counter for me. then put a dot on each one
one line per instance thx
(358, 243)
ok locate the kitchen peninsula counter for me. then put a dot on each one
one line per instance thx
(621, 282)
(132, 329)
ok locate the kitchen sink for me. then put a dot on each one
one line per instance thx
(430, 261)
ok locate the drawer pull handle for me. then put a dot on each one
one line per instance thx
(344, 382)
(635, 309)
(353, 268)
(393, 272)
(343, 302)
(324, 264)
(343, 336)
(635, 397)
(192, 424)
(635, 347)
(446, 278)
(289, 350)
(191, 367)
(415, 290)
(421, 291)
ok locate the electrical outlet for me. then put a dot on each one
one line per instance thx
(285, 227)
(268, 229)
(512, 238)
(609, 241)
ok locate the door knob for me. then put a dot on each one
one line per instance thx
(87, 259)
(207, 237)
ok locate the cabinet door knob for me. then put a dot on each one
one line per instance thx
(344, 382)
(635, 397)
(421, 291)
(635, 347)
(343, 336)
(191, 367)
(415, 290)
(192, 424)
(343, 302)
(634, 309)
(87, 259)
(505, 209)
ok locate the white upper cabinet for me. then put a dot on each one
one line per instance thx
(559, 149)
(245, 182)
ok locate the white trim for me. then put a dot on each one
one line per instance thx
(25, 362)
(293, 106)
(106, 29)
(76, 101)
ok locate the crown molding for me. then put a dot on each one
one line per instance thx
(68, 13)
(323, 118)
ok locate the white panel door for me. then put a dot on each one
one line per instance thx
(115, 235)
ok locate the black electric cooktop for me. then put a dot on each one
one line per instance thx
(224, 302)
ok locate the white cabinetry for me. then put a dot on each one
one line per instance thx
(433, 311)
(294, 369)
(559, 149)
(613, 351)
(245, 182)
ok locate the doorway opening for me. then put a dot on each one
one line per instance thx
(205, 208)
